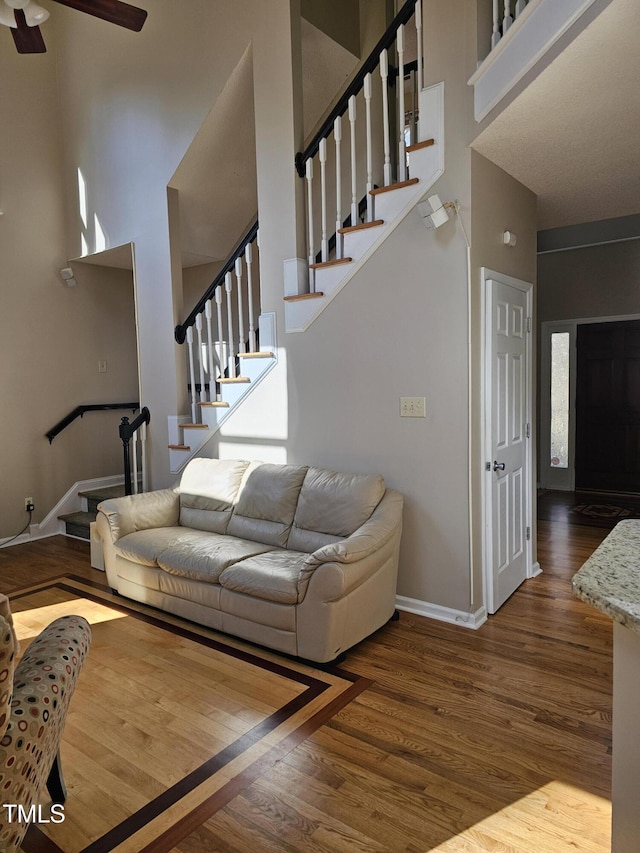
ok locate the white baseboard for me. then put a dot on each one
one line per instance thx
(69, 502)
(536, 570)
(443, 614)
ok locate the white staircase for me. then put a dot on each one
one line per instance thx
(390, 205)
(408, 111)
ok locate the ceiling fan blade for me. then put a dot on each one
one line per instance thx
(28, 39)
(114, 11)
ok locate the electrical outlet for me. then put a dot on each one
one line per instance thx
(413, 407)
(29, 505)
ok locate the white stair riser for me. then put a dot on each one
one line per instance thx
(357, 243)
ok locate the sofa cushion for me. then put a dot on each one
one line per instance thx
(333, 505)
(144, 546)
(274, 576)
(267, 503)
(203, 557)
(208, 490)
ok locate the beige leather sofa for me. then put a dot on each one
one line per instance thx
(302, 560)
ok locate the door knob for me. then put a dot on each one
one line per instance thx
(498, 466)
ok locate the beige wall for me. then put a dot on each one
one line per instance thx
(499, 203)
(398, 329)
(51, 336)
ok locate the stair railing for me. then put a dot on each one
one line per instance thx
(505, 13)
(136, 431)
(79, 412)
(388, 120)
(223, 325)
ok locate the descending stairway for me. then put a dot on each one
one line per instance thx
(78, 524)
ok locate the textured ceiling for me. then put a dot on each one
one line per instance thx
(573, 135)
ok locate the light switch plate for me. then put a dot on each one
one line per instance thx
(413, 407)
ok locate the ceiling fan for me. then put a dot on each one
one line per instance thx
(24, 17)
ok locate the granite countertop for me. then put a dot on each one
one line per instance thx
(610, 579)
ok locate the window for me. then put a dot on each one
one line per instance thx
(559, 437)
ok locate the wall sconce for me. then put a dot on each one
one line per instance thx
(67, 277)
(435, 213)
(509, 238)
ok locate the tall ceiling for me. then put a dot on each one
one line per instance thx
(573, 134)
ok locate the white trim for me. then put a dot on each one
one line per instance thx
(69, 502)
(529, 38)
(442, 614)
(487, 276)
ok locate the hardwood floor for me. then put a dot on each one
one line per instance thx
(467, 741)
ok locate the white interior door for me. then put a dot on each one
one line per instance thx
(507, 409)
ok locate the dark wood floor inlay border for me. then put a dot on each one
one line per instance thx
(38, 842)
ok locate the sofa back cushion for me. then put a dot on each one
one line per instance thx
(267, 503)
(208, 490)
(332, 506)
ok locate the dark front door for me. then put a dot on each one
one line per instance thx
(608, 406)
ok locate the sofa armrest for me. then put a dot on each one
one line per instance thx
(384, 523)
(140, 512)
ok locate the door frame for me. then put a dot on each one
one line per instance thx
(488, 276)
(547, 481)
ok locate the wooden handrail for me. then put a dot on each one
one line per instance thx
(181, 329)
(404, 15)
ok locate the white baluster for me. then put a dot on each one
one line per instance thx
(520, 7)
(384, 75)
(495, 37)
(203, 395)
(208, 309)
(221, 343)
(367, 104)
(402, 146)
(354, 176)
(192, 373)
(231, 354)
(418, 21)
(248, 257)
(312, 259)
(322, 156)
(242, 344)
(507, 20)
(337, 136)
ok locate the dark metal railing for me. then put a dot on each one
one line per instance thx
(127, 431)
(181, 330)
(370, 64)
(79, 411)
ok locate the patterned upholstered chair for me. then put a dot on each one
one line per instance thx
(34, 697)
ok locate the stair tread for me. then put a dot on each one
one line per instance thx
(216, 404)
(256, 355)
(193, 426)
(333, 263)
(408, 183)
(103, 494)
(238, 379)
(178, 447)
(301, 296)
(79, 517)
(418, 145)
(362, 226)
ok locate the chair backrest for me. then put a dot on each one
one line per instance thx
(34, 698)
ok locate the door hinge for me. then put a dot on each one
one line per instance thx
(528, 324)
(528, 430)
(528, 534)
